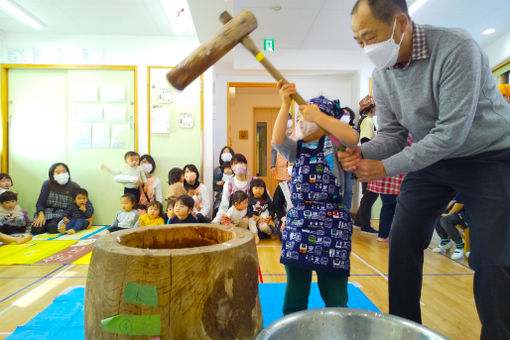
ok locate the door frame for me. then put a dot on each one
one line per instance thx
(4, 80)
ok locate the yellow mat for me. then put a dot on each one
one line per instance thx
(31, 252)
(84, 260)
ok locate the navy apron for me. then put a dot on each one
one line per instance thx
(317, 234)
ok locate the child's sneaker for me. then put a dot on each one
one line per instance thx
(457, 254)
(443, 247)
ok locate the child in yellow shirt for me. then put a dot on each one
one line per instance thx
(153, 215)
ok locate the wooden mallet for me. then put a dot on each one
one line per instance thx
(235, 30)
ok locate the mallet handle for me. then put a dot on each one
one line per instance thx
(250, 46)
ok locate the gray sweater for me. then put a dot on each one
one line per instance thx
(448, 102)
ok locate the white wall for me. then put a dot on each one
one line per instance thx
(140, 51)
(499, 50)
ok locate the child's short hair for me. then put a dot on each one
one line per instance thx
(80, 191)
(156, 204)
(239, 196)
(174, 175)
(171, 203)
(225, 165)
(257, 182)
(2, 176)
(8, 196)
(186, 200)
(131, 154)
(130, 197)
(239, 158)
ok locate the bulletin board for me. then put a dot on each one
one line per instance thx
(175, 123)
(79, 115)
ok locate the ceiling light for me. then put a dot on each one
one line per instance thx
(417, 4)
(488, 31)
(276, 7)
(21, 14)
(178, 14)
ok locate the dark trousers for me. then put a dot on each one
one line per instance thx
(333, 289)
(12, 229)
(365, 207)
(389, 203)
(483, 182)
(77, 224)
(114, 229)
(446, 227)
(50, 227)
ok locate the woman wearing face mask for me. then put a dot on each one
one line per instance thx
(152, 188)
(241, 181)
(199, 193)
(226, 154)
(54, 199)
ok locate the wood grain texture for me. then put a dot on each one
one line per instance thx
(204, 292)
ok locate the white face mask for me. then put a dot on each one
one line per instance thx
(305, 128)
(385, 53)
(239, 169)
(147, 168)
(289, 170)
(226, 157)
(346, 119)
(62, 178)
(289, 123)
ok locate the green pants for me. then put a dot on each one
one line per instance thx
(333, 289)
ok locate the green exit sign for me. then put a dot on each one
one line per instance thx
(268, 44)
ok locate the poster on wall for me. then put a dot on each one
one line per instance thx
(88, 113)
(81, 136)
(85, 93)
(160, 120)
(165, 96)
(112, 93)
(114, 113)
(186, 120)
(101, 135)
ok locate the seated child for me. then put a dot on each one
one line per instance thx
(176, 188)
(282, 202)
(225, 174)
(5, 183)
(183, 208)
(78, 215)
(9, 239)
(12, 219)
(170, 211)
(236, 214)
(260, 210)
(154, 215)
(131, 176)
(446, 228)
(127, 217)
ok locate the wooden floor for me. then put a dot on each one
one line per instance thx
(447, 298)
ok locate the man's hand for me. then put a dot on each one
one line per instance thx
(349, 158)
(369, 169)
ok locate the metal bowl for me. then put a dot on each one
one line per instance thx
(345, 323)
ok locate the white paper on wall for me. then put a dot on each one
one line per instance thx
(101, 135)
(88, 113)
(85, 93)
(186, 120)
(165, 96)
(114, 113)
(160, 120)
(112, 94)
(81, 136)
(119, 135)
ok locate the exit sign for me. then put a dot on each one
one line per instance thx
(268, 44)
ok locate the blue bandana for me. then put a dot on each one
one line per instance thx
(329, 107)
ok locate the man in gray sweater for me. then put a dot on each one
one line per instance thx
(436, 84)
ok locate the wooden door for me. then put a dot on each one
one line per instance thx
(263, 122)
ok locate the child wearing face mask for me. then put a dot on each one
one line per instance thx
(131, 175)
(12, 218)
(226, 154)
(240, 181)
(55, 197)
(318, 228)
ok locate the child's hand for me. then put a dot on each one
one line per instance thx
(83, 207)
(285, 91)
(310, 112)
(225, 220)
(65, 219)
(220, 183)
(105, 167)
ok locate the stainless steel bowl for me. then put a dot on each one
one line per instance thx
(345, 323)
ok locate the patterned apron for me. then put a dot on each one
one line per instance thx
(318, 228)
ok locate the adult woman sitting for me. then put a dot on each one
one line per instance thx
(199, 193)
(55, 197)
(152, 188)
